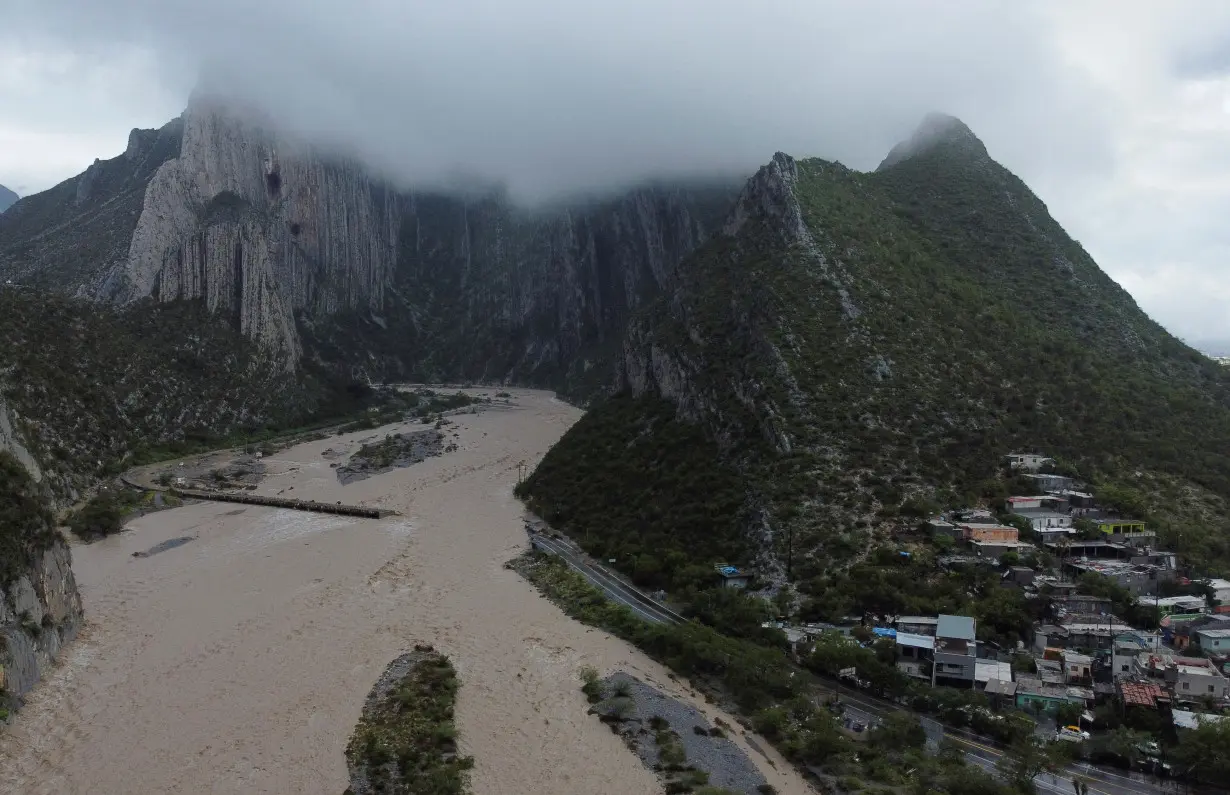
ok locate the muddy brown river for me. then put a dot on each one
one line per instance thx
(237, 661)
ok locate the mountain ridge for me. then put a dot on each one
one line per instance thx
(7, 198)
(865, 347)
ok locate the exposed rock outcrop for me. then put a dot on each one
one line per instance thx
(40, 608)
(261, 227)
(40, 612)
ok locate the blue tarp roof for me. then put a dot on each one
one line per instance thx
(884, 633)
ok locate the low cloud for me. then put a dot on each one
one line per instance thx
(1109, 123)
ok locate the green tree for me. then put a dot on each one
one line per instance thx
(899, 731)
(1024, 760)
(1205, 751)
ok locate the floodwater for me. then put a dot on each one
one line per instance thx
(238, 661)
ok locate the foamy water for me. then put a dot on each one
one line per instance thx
(238, 662)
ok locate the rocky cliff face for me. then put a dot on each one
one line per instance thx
(306, 253)
(40, 612)
(487, 291)
(40, 608)
(260, 228)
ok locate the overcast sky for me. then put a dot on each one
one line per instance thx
(1117, 113)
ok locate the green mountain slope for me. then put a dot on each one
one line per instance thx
(87, 386)
(866, 347)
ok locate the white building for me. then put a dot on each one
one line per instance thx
(1030, 462)
(1045, 520)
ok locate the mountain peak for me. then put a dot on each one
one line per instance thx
(7, 198)
(936, 130)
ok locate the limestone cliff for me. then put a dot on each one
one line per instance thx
(261, 228)
(308, 253)
(485, 290)
(40, 608)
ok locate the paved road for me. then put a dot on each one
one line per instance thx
(861, 707)
(615, 589)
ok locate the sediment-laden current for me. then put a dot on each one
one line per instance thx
(239, 662)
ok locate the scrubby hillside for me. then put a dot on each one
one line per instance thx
(88, 387)
(865, 347)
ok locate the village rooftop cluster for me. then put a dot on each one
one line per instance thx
(1086, 657)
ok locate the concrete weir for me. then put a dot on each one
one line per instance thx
(282, 502)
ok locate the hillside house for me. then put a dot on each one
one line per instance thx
(917, 625)
(1142, 578)
(1081, 604)
(1093, 632)
(1029, 462)
(956, 652)
(1211, 640)
(1077, 668)
(1018, 577)
(1056, 535)
(732, 577)
(1035, 695)
(940, 527)
(915, 655)
(975, 516)
(1192, 720)
(1025, 503)
(1056, 483)
(986, 671)
(997, 549)
(1079, 500)
(1171, 605)
(1186, 678)
(1043, 519)
(988, 532)
(1141, 695)
(1124, 651)
(1221, 590)
(1120, 526)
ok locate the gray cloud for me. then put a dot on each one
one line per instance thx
(553, 97)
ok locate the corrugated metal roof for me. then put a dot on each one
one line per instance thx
(1192, 720)
(1001, 687)
(917, 641)
(955, 627)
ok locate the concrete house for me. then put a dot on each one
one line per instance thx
(733, 577)
(1121, 526)
(1029, 462)
(1212, 640)
(1077, 668)
(1082, 604)
(1221, 590)
(1198, 678)
(1172, 605)
(915, 655)
(1051, 482)
(1042, 519)
(956, 652)
(1187, 678)
(1124, 652)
